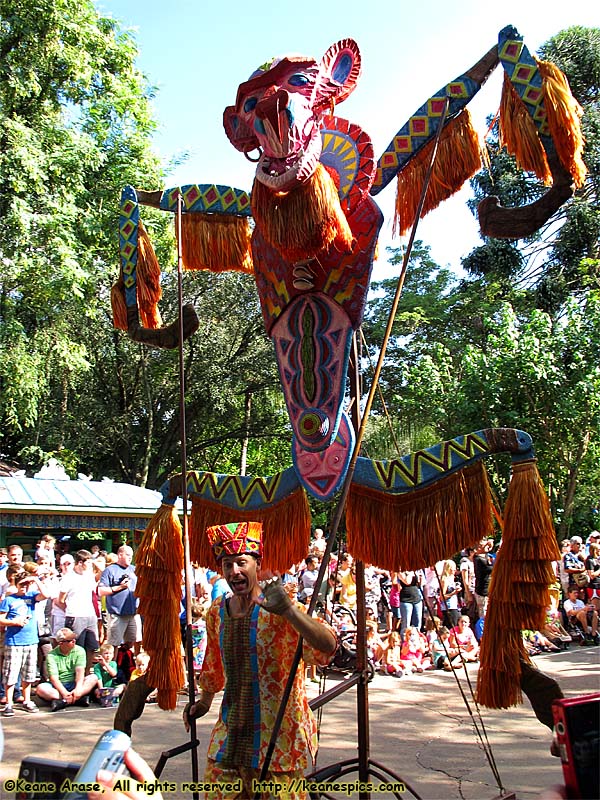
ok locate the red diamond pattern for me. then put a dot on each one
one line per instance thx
(419, 126)
(211, 196)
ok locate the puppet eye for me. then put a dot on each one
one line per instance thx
(299, 79)
(250, 104)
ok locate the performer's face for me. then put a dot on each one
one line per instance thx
(241, 573)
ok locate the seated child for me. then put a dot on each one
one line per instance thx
(105, 669)
(432, 626)
(141, 665)
(443, 656)
(413, 651)
(375, 644)
(463, 638)
(392, 663)
(142, 660)
(554, 629)
(535, 642)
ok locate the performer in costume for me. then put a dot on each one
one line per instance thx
(252, 635)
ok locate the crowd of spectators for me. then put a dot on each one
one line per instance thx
(70, 632)
(69, 629)
(434, 618)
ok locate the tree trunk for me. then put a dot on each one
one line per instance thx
(245, 440)
(571, 485)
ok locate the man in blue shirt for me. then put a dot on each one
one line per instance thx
(117, 584)
(17, 617)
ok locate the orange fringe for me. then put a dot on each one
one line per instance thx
(119, 307)
(519, 593)
(418, 528)
(286, 529)
(518, 134)
(148, 273)
(498, 679)
(150, 318)
(564, 120)
(216, 242)
(148, 289)
(458, 158)
(159, 563)
(302, 222)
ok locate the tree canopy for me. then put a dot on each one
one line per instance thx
(76, 125)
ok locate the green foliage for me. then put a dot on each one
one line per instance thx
(76, 126)
(74, 118)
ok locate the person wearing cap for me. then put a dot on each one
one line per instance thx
(593, 538)
(252, 636)
(17, 617)
(573, 563)
(67, 682)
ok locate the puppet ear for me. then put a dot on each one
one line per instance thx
(239, 134)
(339, 72)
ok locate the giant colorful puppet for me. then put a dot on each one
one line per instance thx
(311, 251)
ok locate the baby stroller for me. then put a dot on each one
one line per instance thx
(345, 659)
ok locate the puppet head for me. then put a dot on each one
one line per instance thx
(279, 111)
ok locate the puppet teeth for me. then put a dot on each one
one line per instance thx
(281, 175)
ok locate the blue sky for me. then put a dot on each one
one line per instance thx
(196, 54)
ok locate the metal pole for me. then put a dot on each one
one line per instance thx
(362, 690)
(189, 652)
(339, 511)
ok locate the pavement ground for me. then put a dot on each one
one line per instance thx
(421, 729)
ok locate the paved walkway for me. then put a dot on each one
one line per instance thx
(420, 729)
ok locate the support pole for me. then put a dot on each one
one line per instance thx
(362, 687)
(189, 650)
(341, 505)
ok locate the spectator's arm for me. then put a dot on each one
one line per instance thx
(44, 591)
(79, 676)
(110, 667)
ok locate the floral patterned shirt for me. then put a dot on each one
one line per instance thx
(251, 658)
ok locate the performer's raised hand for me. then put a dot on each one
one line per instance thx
(273, 597)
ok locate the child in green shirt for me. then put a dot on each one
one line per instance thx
(105, 669)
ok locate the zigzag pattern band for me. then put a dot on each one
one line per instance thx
(521, 68)
(244, 493)
(129, 218)
(427, 466)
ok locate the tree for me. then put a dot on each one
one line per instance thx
(74, 119)
(76, 126)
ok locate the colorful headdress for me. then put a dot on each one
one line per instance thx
(236, 539)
